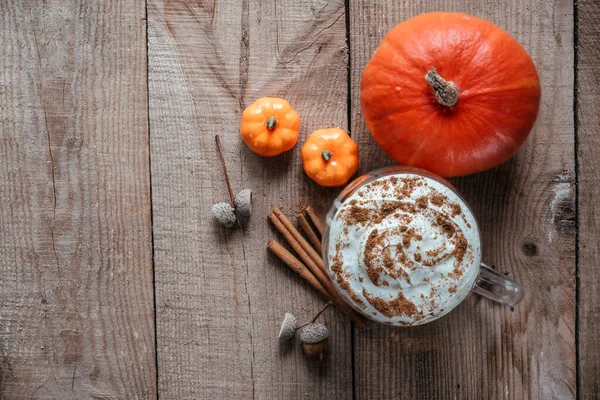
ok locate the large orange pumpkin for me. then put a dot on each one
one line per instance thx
(450, 93)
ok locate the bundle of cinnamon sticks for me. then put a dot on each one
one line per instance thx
(310, 266)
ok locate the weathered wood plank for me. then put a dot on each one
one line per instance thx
(220, 296)
(588, 111)
(76, 305)
(526, 212)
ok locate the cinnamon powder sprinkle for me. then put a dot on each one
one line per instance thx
(370, 257)
(461, 245)
(437, 199)
(422, 202)
(400, 306)
(434, 252)
(388, 263)
(346, 286)
(418, 257)
(447, 226)
(388, 207)
(456, 210)
(355, 215)
(336, 267)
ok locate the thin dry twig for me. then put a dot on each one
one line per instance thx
(222, 157)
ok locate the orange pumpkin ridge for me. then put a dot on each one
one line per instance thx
(450, 93)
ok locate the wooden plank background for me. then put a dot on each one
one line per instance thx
(588, 110)
(108, 171)
(220, 297)
(76, 303)
(525, 210)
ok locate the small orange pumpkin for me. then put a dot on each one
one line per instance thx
(270, 126)
(450, 93)
(330, 157)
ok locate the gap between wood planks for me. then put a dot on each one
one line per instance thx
(349, 124)
(151, 201)
(576, 167)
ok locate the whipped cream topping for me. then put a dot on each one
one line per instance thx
(403, 249)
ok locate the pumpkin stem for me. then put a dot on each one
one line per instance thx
(271, 122)
(446, 92)
(326, 154)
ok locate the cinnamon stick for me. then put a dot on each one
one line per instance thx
(316, 270)
(314, 219)
(288, 259)
(316, 257)
(296, 265)
(312, 236)
(308, 261)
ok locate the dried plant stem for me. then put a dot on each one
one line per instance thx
(329, 303)
(322, 311)
(222, 158)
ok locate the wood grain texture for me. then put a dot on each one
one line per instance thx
(588, 133)
(220, 295)
(76, 305)
(525, 208)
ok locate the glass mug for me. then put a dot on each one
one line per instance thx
(383, 288)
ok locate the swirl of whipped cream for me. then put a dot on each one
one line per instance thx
(404, 249)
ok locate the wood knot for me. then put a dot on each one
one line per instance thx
(530, 249)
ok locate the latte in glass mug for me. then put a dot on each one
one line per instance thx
(403, 248)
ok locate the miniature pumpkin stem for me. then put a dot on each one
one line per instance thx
(446, 92)
(271, 122)
(326, 154)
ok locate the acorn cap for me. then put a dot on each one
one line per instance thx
(288, 328)
(224, 213)
(314, 333)
(243, 202)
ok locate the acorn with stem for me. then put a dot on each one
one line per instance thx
(239, 205)
(314, 336)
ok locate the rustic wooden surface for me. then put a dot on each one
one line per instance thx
(588, 109)
(525, 210)
(109, 170)
(220, 297)
(76, 303)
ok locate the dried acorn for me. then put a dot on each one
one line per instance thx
(243, 202)
(225, 214)
(288, 328)
(315, 341)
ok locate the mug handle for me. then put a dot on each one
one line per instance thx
(498, 287)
